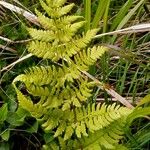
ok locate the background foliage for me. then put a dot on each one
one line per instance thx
(130, 77)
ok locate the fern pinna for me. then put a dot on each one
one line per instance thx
(62, 89)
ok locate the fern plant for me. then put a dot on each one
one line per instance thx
(57, 95)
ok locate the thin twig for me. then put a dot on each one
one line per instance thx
(14, 42)
(22, 41)
(6, 39)
(16, 62)
(30, 16)
(7, 48)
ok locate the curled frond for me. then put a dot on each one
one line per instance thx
(36, 110)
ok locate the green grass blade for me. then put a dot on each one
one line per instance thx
(130, 14)
(99, 12)
(123, 78)
(121, 14)
(137, 113)
(127, 17)
(105, 19)
(134, 80)
(87, 9)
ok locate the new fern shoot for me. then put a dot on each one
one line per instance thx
(63, 91)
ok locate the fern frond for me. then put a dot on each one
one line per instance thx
(45, 75)
(87, 58)
(95, 118)
(64, 34)
(105, 138)
(52, 120)
(46, 23)
(98, 117)
(44, 50)
(57, 118)
(42, 35)
(55, 11)
(47, 50)
(69, 19)
(82, 62)
(60, 129)
(50, 24)
(76, 95)
(86, 39)
(57, 95)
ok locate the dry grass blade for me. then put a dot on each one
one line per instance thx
(109, 90)
(14, 42)
(31, 17)
(16, 62)
(133, 29)
(130, 99)
(2, 13)
(6, 39)
(7, 48)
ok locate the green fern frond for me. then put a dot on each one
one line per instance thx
(86, 39)
(63, 34)
(45, 85)
(50, 24)
(47, 50)
(76, 95)
(52, 120)
(105, 138)
(60, 129)
(45, 22)
(56, 12)
(45, 75)
(57, 96)
(82, 62)
(85, 59)
(97, 117)
(42, 35)
(60, 119)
